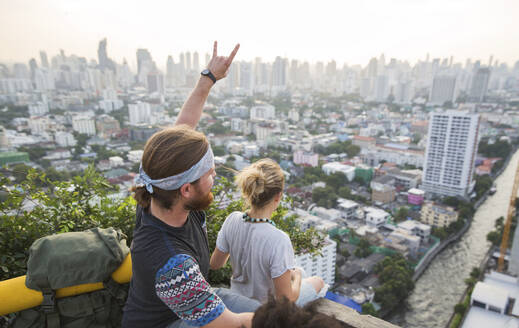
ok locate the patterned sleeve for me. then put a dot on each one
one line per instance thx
(182, 287)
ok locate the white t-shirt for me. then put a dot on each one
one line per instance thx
(259, 252)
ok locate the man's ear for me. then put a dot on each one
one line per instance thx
(186, 190)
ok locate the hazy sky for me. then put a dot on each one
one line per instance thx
(344, 30)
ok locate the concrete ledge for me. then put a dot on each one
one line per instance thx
(350, 316)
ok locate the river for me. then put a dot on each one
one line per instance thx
(442, 284)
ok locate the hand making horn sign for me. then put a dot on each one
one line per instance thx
(218, 66)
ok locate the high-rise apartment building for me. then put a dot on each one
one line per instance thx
(155, 82)
(451, 151)
(320, 265)
(478, 89)
(279, 72)
(188, 61)
(139, 113)
(102, 55)
(84, 124)
(44, 60)
(170, 72)
(443, 89)
(145, 65)
(263, 112)
(196, 61)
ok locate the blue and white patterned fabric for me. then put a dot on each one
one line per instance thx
(182, 287)
(176, 181)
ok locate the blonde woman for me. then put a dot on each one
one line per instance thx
(262, 257)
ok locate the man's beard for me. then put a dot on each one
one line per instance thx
(200, 203)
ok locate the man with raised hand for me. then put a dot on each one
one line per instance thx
(170, 250)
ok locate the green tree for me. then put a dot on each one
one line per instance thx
(498, 149)
(324, 197)
(396, 276)
(345, 192)
(401, 214)
(440, 232)
(451, 201)
(35, 152)
(12, 112)
(121, 115)
(475, 273)
(494, 237)
(20, 171)
(363, 249)
(483, 183)
(218, 150)
(460, 308)
(368, 308)
(218, 128)
(336, 180)
(103, 153)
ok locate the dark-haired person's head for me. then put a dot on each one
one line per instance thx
(169, 153)
(282, 314)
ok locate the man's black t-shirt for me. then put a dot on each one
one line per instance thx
(170, 268)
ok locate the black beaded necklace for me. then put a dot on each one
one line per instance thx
(247, 218)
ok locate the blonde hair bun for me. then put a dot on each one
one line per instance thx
(260, 182)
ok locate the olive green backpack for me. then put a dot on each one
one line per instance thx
(70, 259)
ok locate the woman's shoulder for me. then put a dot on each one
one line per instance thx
(234, 218)
(278, 234)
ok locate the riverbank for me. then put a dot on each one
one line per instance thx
(440, 285)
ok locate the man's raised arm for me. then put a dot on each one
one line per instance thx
(219, 67)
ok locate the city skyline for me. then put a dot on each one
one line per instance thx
(406, 30)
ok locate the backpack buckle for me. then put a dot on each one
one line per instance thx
(49, 300)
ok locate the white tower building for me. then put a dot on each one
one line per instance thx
(452, 146)
(139, 113)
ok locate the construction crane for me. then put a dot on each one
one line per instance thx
(508, 223)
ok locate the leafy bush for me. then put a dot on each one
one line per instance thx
(30, 212)
(368, 308)
(40, 206)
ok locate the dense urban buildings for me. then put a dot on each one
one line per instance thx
(372, 154)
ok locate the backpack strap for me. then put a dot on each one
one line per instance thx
(116, 290)
(49, 308)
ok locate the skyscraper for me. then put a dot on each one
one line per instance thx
(196, 61)
(279, 72)
(478, 89)
(372, 69)
(381, 88)
(143, 55)
(452, 146)
(188, 61)
(33, 66)
(443, 89)
(104, 61)
(207, 59)
(170, 72)
(145, 65)
(43, 59)
(155, 82)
